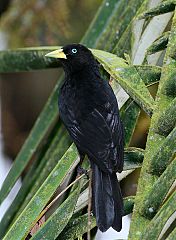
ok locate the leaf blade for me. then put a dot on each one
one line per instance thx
(29, 215)
(39, 130)
(128, 78)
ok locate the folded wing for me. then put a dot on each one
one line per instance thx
(100, 136)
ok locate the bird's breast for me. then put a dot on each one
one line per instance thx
(81, 99)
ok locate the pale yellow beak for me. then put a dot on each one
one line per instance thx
(56, 54)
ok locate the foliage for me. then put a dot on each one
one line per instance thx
(46, 22)
(155, 199)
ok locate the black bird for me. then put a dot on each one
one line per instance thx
(89, 110)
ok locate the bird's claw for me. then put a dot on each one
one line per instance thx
(81, 171)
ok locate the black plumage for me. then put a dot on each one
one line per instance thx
(89, 110)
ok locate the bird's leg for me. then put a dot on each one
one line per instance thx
(81, 170)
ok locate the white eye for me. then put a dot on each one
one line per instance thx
(74, 50)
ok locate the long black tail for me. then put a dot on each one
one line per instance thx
(107, 200)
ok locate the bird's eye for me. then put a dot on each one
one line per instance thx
(74, 50)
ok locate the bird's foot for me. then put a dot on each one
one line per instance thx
(81, 171)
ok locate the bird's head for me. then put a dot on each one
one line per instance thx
(74, 57)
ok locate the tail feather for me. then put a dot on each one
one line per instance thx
(107, 200)
(118, 200)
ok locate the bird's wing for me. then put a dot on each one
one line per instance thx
(117, 132)
(100, 136)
